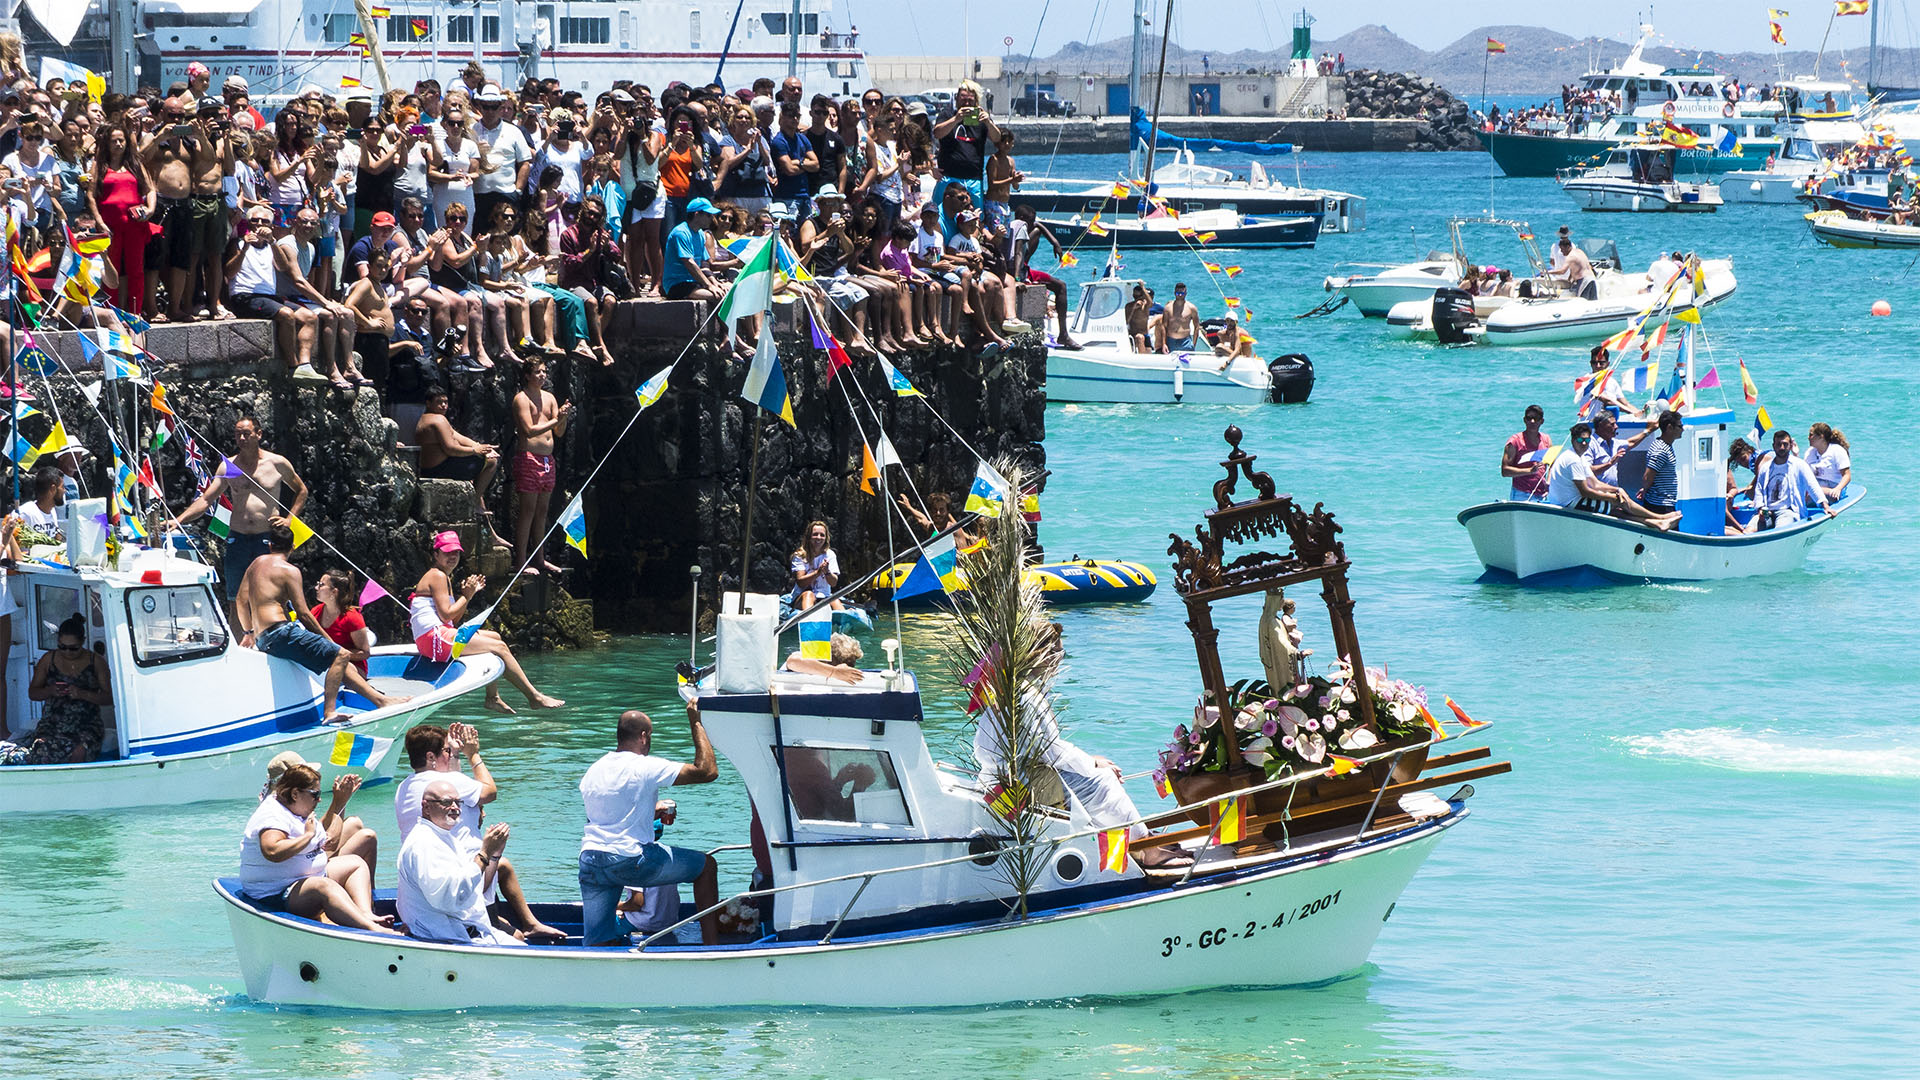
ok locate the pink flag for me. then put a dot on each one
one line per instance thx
(1710, 380)
(373, 592)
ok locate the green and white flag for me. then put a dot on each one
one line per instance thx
(220, 521)
(752, 291)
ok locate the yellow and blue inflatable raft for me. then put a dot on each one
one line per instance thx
(1082, 581)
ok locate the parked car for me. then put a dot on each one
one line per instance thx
(1042, 103)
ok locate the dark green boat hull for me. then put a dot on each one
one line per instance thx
(1543, 155)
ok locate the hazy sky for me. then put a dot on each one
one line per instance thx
(916, 27)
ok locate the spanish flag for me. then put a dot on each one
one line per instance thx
(1068, 258)
(358, 39)
(1777, 32)
(381, 12)
(1747, 389)
(1205, 237)
(1113, 850)
(1119, 191)
(1465, 720)
(1233, 301)
(1212, 268)
(1232, 272)
(1342, 765)
(1229, 821)
(1496, 46)
(348, 82)
(1096, 228)
(1850, 7)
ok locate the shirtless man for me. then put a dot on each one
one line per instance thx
(1180, 324)
(270, 587)
(256, 504)
(540, 419)
(188, 158)
(1576, 271)
(1140, 320)
(445, 454)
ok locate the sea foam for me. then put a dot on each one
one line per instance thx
(1779, 752)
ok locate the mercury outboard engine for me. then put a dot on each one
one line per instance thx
(1292, 378)
(1452, 315)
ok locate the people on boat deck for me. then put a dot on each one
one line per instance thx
(1784, 488)
(256, 504)
(1141, 323)
(1571, 483)
(284, 863)
(269, 591)
(1520, 457)
(1180, 323)
(815, 568)
(435, 612)
(1094, 781)
(41, 513)
(340, 617)
(1556, 253)
(1739, 456)
(1575, 271)
(1660, 488)
(71, 681)
(443, 885)
(1607, 448)
(434, 753)
(618, 850)
(1234, 344)
(1831, 459)
(345, 835)
(842, 663)
(1663, 270)
(1610, 393)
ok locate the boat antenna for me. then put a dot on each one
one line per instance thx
(1159, 82)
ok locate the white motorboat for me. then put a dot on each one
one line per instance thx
(1639, 178)
(194, 715)
(1188, 186)
(1107, 368)
(1620, 297)
(1534, 543)
(1837, 229)
(1376, 294)
(1811, 133)
(900, 894)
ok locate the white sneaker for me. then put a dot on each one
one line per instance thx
(306, 373)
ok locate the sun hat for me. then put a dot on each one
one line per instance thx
(489, 94)
(284, 760)
(827, 191)
(447, 541)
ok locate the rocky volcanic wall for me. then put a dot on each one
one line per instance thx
(1448, 121)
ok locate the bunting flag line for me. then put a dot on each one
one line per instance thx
(766, 384)
(1688, 315)
(1461, 714)
(352, 750)
(1762, 423)
(1096, 228)
(34, 359)
(1205, 237)
(1185, 230)
(1233, 301)
(1113, 850)
(421, 27)
(158, 399)
(1068, 258)
(373, 591)
(869, 470)
(1708, 381)
(196, 462)
(220, 518)
(1229, 821)
(1233, 272)
(1119, 191)
(1007, 800)
(651, 390)
(133, 322)
(162, 431)
(1850, 7)
(901, 387)
(816, 634)
(357, 39)
(573, 521)
(837, 357)
(23, 451)
(752, 290)
(1747, 389)
(938, 568)
(886, 455)
(55, 442)
(469, 628)
(229, 469)
(989, 490)
(301, 534)
(1212, 268)
(1618, 342)
(348, 82)
(380, 12)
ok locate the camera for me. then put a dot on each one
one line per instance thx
(565, 131)
(448, 346)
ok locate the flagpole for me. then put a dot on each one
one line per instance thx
(753, 479)
(1486, 65)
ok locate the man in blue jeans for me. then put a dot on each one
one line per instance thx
(618, 850)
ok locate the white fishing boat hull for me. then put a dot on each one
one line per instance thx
(1623, 196)
(1377, 294)
(1413, 320)
(1107, 373)
(1756, 186)
(1533, 543)
(1835, 229)
(236, 770)
(1296, 923)
(1537, 322)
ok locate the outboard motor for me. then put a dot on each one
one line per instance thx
(1292, 378)
(1452, 315)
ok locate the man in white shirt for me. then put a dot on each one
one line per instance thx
(1571, 483)
(505, 157)
(618, 850)
(1784, 487)
(1607, 448)
(434, 751)
(444, 885)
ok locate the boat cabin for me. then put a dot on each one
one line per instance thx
(1101, 316)
(1700, 458)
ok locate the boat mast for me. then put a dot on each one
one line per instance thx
(1133, 83)
(1159, 81)
(1873, 44)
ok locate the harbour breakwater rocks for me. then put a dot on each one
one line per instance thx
(1445, 121)
(669, 493)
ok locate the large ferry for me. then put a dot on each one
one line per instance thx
(282, 46)
(1651, 98)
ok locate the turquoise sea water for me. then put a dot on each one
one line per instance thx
(1702, 865)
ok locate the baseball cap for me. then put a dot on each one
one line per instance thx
(929, 209)
(383, 218)
(917, 108)
(967, 215)
(234, 82)
(447, 541)
(621, 96)
(702, 206)
(211, 104)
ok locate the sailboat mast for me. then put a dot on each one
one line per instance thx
(1138, 57)
(1159, 82)
(1873, 43)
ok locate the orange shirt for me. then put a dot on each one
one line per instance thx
(676, 170)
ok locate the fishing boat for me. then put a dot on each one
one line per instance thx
(1188, 186)
(1076, 581)
(1837, 228)
(1107, 368)
(1639, 178)
(1731, 135)
(907, 892)
(1377, 292)
(281, 47)
(194, 716)
(1221, 229)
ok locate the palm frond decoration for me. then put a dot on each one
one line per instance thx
(1006, 653)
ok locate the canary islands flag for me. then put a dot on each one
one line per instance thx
(901, 387)
(650, 391)
(990, 489)
(573, 521)
(766, 384)
(938, 568)
(816, 633)
(351, 750)
(752, 291)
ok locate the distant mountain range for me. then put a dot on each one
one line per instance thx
(1537, 61)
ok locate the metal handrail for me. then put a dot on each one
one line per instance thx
(866, 876)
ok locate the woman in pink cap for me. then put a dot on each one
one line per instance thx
(434, 614)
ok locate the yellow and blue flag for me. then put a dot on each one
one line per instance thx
(650, 391)
(989, 490)
(574, 521)
(901, 387)
(351, 750)
(938, 568)
(766, 384)
(816, 633)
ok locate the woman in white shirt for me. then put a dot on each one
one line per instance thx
(459, 160)
(283, 855)
(1830, 458)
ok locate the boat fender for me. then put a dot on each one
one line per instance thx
(1179, 383)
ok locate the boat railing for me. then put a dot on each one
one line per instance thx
(1391, 755)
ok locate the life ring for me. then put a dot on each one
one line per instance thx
(1727, 109)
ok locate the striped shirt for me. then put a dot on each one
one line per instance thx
(1665, 488)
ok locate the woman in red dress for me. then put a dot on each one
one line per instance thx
(123, 202)
(340, 617)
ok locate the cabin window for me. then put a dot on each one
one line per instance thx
(172, 624)
(460, 29)
(775, 22)
(1103, 302)
(848, 786)
(585, 31)
(693, 29)
(1707, 454)
(341, 28)
(52, 605)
